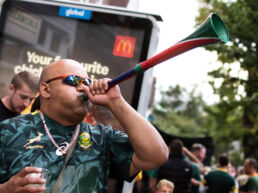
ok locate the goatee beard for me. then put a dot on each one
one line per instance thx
(12, 105)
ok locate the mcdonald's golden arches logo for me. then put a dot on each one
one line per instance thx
(124, 46)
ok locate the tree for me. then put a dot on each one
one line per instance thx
(237, 113)
(180, 112)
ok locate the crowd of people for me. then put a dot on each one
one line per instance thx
(185, 169)
(107, 148)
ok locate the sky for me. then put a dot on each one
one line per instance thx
(189, 68)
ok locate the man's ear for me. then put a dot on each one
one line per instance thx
(11, 90)
(44, 90)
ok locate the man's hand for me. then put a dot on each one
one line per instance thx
(98, 92)
(19, 183)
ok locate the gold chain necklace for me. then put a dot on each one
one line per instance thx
(61, 150)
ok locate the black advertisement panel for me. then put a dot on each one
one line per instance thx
(35, 34)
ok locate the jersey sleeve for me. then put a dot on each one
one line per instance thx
(234, 188)
(196, 172)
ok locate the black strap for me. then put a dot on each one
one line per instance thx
(58, 184)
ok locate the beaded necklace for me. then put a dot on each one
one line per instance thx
(64, 147)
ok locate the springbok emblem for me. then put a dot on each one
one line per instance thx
(32, 140)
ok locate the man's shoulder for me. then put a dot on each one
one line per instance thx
(253, 179)
(195, 165)
(179, 161)
(20, 119)
(231, 178)
(212, 173)
(217, 172)
(187, 162)
(5, 113)
(18, 126)
(195, 168)
(221, 174)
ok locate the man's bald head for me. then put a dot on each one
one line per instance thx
(62, 101)
(59, 68)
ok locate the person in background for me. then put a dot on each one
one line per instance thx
(177, 169)
(43, 139)
(232, 171)
(219, 180)
(165, 186)
(199, 151)
(196, 176)
(22, 90)
(241, 176)
(251, 185)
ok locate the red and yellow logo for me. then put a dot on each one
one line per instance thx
(124, 46)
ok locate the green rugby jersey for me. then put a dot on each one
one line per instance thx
(24, 142)
(219, 181)
(251, 184)
(197, 176)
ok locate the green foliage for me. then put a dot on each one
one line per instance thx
(180, 113)
(236, 159)
(236, 115)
